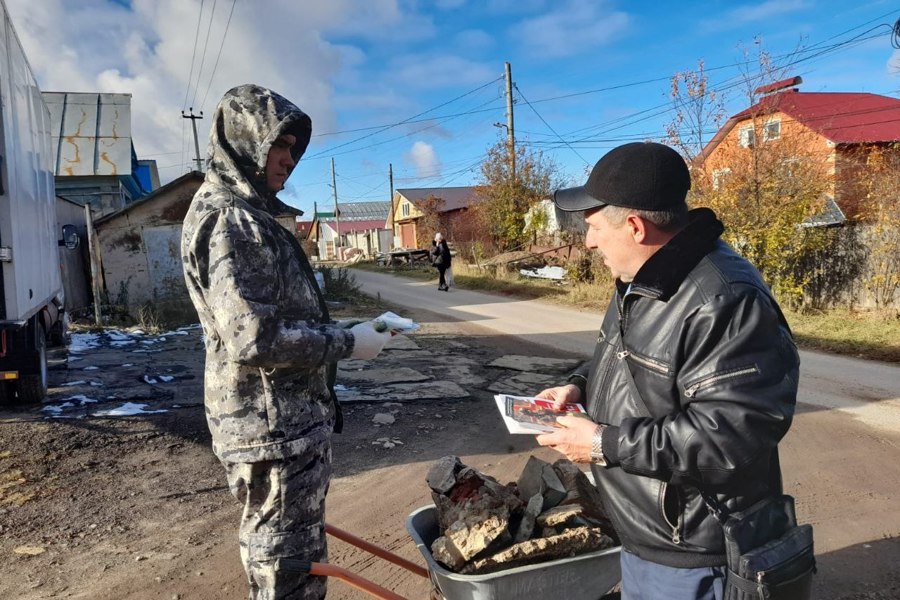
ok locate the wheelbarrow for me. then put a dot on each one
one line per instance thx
(587, 576)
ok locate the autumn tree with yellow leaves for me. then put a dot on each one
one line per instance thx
(504, 201)
(882, 214)
(771, 187)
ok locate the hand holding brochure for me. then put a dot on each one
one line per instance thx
(532, 415)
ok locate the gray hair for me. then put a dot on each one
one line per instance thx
(666, 220)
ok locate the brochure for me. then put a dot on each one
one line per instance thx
(384, 322)
(395, 323)
(532, 415)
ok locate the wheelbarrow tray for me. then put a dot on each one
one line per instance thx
(584, 577)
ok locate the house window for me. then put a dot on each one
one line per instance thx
(404, 210)
(771, 131)
(719, 176)
(747, 136)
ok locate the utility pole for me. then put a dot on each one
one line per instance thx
(193, 119)
(94, 252)
(337, 215)
(510, 128)
(393, 216)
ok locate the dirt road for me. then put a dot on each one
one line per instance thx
(94, 505)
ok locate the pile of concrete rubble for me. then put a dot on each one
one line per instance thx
(552, 511)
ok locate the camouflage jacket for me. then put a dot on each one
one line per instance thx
(269, 349)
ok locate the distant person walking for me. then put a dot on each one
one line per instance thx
(441, 259)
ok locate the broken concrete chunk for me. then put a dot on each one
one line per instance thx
(548, 532)
(488, 526)
(468, 483)
(568, 543)
(505, 493)
(471, 536)
(540, 477)
(580, 491)
(442, 475)
(531, 480)
(559, 516)
(529, 518)
(383, 419)
(443, 552)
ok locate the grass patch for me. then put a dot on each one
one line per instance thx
(865, 334)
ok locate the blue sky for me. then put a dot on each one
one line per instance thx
(419, 84)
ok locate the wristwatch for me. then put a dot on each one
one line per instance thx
(597, 446)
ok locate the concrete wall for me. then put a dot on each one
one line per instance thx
(141, 255)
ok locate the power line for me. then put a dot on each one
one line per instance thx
(544, 121)
(328, 151)
(219, 55)
(721, 67)
(321, 155)
(406, 122)
(193, 56)
(212, 15)
(728, 84)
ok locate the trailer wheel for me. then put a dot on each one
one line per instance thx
(33, 388)
(59, 333)
(7, 393)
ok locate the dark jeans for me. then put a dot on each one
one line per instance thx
(442, 283)
(644, 580)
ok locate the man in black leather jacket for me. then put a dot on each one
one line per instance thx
(710, 356)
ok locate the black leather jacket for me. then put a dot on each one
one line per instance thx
(713, 358)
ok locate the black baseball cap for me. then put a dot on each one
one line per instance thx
(640, 175)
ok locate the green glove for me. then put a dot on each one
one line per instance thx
(348, 323)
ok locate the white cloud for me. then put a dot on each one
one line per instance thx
(760, 12)
(474, 39)
(439, 71)
(101, 46)
(893, 64)
(424, 159)
(753, 13)
(515, 6)
(572, 27)
(449, 4)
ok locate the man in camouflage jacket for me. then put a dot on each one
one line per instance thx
(270, 347)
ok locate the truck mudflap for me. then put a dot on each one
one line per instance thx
(24, 366)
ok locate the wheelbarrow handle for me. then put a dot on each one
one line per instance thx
(350, 578)
(376, 550)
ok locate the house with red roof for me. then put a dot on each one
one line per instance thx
(356, 228)
(841, 129)
(452, 203)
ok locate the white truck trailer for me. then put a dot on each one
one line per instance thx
(30, 286)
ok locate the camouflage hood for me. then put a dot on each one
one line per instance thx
(248, 119)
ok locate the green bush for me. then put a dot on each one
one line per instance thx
(340, 283)
(581, 269)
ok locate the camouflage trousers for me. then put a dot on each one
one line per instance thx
(283, 522)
